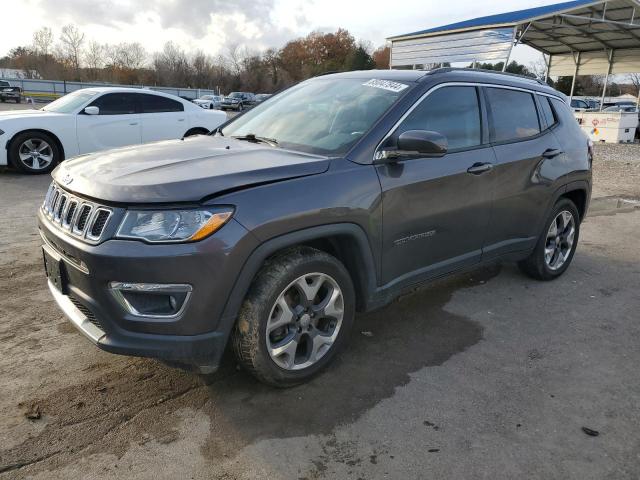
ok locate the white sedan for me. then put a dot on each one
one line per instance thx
(208, 101)
(94, 119)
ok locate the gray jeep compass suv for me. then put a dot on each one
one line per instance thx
(335, 196)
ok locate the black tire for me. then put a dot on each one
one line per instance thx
(249, 336)
(19, 100)
(535, 265)
(240, 107)
(20, 139)
(2, 99)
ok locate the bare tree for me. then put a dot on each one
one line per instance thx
(72, 39)
(43, 41)
(172, 65)
(94, 55)
(539, 67)
(634, 78)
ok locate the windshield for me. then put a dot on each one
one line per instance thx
(206, 97)
(322, 116)
(70, 102)
(235, 94)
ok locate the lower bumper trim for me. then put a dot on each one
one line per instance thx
(76, 317)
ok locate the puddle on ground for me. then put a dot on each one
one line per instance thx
(134, 403)
(612, 205)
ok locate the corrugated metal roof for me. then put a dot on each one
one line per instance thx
(503, 19)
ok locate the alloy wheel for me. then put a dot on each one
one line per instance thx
(305, 321)
(559, 241)
(35, 154)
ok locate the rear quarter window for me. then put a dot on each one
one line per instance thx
(547, 111)
(513, 114)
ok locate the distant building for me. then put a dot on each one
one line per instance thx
(17, 73)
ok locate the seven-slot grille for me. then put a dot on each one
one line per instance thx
(76, 215)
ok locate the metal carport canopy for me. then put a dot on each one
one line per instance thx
(579, 37)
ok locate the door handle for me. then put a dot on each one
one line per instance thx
(479, 168)
(133, 123)
(552, 152)
(181, 119)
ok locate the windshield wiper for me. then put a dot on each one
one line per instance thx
(250, 137)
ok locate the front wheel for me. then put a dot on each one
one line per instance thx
(34, 152)
(557, 243)
(296, 317)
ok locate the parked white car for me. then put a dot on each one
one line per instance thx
(94, 119)
(208, 101)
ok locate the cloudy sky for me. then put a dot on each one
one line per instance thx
(214, 25)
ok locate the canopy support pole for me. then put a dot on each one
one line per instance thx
(606, 79)
(513, 43)
(575, 74)
(546, 72)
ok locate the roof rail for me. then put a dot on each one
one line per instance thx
(459, 69)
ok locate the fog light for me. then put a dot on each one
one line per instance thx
(152, 300)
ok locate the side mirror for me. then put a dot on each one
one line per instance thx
(92, 110)
(415, 143)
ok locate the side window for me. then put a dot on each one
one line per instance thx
(158, 104)
(513, 113)
(116, 104)
(563, 113)
(452, 111)
(547, 111)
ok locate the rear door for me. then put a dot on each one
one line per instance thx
(117, 124)
(436, 210)
(528, 157)
(162, 118)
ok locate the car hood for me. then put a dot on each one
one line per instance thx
(25, 113)
(182, 170)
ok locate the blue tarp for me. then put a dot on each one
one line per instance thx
(509, 18)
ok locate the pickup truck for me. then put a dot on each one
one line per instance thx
(9, 92)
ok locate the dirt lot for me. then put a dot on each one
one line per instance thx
(485, 375)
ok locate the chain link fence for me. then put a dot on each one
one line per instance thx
(48, 90)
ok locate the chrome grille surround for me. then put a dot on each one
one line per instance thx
(76, 216)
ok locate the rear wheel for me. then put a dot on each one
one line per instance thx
(557, 243)
(296, 317)
(34, 152)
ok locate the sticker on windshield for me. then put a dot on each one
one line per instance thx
(386, 85)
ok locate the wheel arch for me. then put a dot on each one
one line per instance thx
(577, 192)
(196, 131)
(346, 241)
(37, 130)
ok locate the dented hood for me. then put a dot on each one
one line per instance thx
(182, 170)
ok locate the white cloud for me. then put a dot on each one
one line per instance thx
(213, 25)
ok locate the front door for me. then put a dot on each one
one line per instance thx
(116, 125)
(436, 210)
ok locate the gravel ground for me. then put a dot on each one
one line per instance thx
(616, 170)
(483, 375)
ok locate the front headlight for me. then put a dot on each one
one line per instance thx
(173, 225)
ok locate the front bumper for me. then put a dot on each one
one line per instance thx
(197, 336)
(199, 350)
